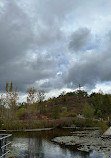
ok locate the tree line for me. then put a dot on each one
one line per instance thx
(69, 104)
(9, 101)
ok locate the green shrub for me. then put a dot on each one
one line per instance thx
(64, 111)
(103, 126)
(71, 115)
(83, 122)
(88, 111)
(55, 112)
(21, 112)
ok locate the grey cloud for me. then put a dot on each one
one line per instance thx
(25, 73)
(79, 39)
(52, 83)
(48, 19)
(54, 10)
(17, 40)
(37, 26)
(48, 34)
(90, 69)
(16, 35)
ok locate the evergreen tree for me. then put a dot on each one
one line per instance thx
(55, 112)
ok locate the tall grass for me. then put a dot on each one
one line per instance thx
(34, 124)
(66, 121)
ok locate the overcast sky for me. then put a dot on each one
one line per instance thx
(55, 45)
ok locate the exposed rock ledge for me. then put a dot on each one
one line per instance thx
(87, 142)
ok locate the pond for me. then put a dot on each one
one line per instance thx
(39, 145)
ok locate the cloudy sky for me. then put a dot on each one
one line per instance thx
(55, 45)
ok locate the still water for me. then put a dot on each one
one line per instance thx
(39, 145)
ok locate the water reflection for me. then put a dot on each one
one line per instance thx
(39, 145)
(35, 147)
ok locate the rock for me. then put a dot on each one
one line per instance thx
(92, 141)
(108, 132)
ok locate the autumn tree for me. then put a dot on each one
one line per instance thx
(11, 99)
(40, 98)
(31, 101)
(2, 106)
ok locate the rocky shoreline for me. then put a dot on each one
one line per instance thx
(87, 141)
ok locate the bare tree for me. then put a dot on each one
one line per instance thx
(32, 95)
(40, 95)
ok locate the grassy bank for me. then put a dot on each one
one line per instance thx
(31, 124)
(62, 122)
